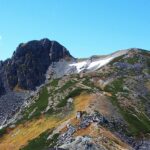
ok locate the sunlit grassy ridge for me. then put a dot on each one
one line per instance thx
(30, 130)
(26, 132)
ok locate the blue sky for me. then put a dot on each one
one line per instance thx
(84, 27)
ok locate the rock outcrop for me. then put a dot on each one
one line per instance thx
(29, 63)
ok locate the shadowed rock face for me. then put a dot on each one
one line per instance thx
(29, 63)
(2, 89)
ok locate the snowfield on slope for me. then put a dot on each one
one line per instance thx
(63, 67)
(91, 64)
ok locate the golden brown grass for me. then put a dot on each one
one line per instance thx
(82, 102)
(23, 133)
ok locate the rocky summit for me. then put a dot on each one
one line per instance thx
(29, 63)
(50, 100)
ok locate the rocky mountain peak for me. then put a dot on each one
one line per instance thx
(29, 63)
(42, 46)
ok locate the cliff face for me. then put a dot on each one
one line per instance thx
(29, 63)
(2, 89)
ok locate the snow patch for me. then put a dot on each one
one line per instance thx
(91, 65)
(79, 66)
(63, 67)
(97, 64)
